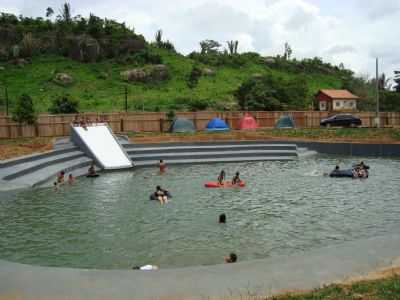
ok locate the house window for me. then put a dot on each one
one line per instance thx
(337, 103)
(322, 105)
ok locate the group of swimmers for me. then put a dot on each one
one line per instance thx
(358, 171)
(84, 121)
(61, 179)
(235, 180)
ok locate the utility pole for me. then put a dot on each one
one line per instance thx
(377, 94)
(126, 99)
(6, 96)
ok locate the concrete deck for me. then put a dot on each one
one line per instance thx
(260, 277)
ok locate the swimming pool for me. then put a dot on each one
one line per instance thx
(285, 208)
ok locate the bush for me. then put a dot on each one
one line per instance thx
(194, 76)
(24, 112)
(64, 105)
(272, 93)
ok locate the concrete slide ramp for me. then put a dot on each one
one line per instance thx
(99, 143)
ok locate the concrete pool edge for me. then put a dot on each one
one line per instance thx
(264, 277)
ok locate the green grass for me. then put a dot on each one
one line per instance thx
(381, 289)
(98, 86)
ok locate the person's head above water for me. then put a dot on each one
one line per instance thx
(161, 161)
(222, 218)
(237, 173)
(158, 187)
(232, 258)
(337, 167)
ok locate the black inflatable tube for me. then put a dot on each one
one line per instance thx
(153, 197)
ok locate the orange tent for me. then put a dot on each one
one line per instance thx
(248, 122)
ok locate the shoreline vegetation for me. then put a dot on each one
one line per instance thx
(12, 148)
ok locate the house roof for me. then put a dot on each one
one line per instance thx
(339, 94)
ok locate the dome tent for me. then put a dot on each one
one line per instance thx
(182, 125)
(285, 122)
(248, 122)
(216, 124)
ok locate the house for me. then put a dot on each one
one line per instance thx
(336, 100)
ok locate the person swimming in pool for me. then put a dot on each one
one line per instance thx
(161, 195)
(221, 177)
(162, 166)
(60, 177)
(236, 179)
(71, 179)
(92, 170)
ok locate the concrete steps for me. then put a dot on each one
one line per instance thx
(209, 152)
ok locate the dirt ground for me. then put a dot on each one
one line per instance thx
(20, 147)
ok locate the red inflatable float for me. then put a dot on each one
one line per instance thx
(216, 184)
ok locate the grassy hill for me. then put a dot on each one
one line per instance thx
(99, 86)
(94, 51)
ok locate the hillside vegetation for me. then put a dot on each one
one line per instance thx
(98, 62)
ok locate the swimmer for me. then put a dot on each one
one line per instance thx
(236, 179)
(55, 184)
(71, 179)
(161, 195)
(222, 219)
(221, 177)
(92, 170)
(60, 177)
(162, 166)
(232, 258)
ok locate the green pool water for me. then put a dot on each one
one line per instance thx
(285, 208)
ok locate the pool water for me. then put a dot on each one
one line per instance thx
(285, 208)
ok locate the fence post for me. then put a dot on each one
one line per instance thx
(161, 125)
(126, 98)
(6, 96)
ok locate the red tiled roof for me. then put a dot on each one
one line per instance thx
(339, 94)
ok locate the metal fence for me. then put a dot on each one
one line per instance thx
(59, 125)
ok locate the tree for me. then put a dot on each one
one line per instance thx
(158, 38)
(288, 51)
(194, 76)
(24, 112)
(49, 12)
(232, 47)
(65, 13)
(272, 93)
(64, 105)
(397, 81)
(209, 47)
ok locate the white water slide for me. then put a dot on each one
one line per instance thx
(99, 141)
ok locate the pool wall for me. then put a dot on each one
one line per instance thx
(259, 277)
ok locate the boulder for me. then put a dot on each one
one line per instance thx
(63, 79)
(154, 73)
(2, 68)
(208, 72)
(84, 48)
(159, 73)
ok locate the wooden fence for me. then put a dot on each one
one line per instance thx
(59, 125)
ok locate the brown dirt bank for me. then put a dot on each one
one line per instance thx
(10, 148)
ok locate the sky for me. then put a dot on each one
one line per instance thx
(353, 32)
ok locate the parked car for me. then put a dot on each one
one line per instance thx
(343, 120)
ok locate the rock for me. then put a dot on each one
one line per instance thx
(2, 68)
(159, 73)
(20, 62)
(257, 76)
(84, 48)
(154, 73)
(269, 60)
(208, 72)
(63, 79)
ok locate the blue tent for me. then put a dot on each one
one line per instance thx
(182, 125)
(285, 122)
(216, 124)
